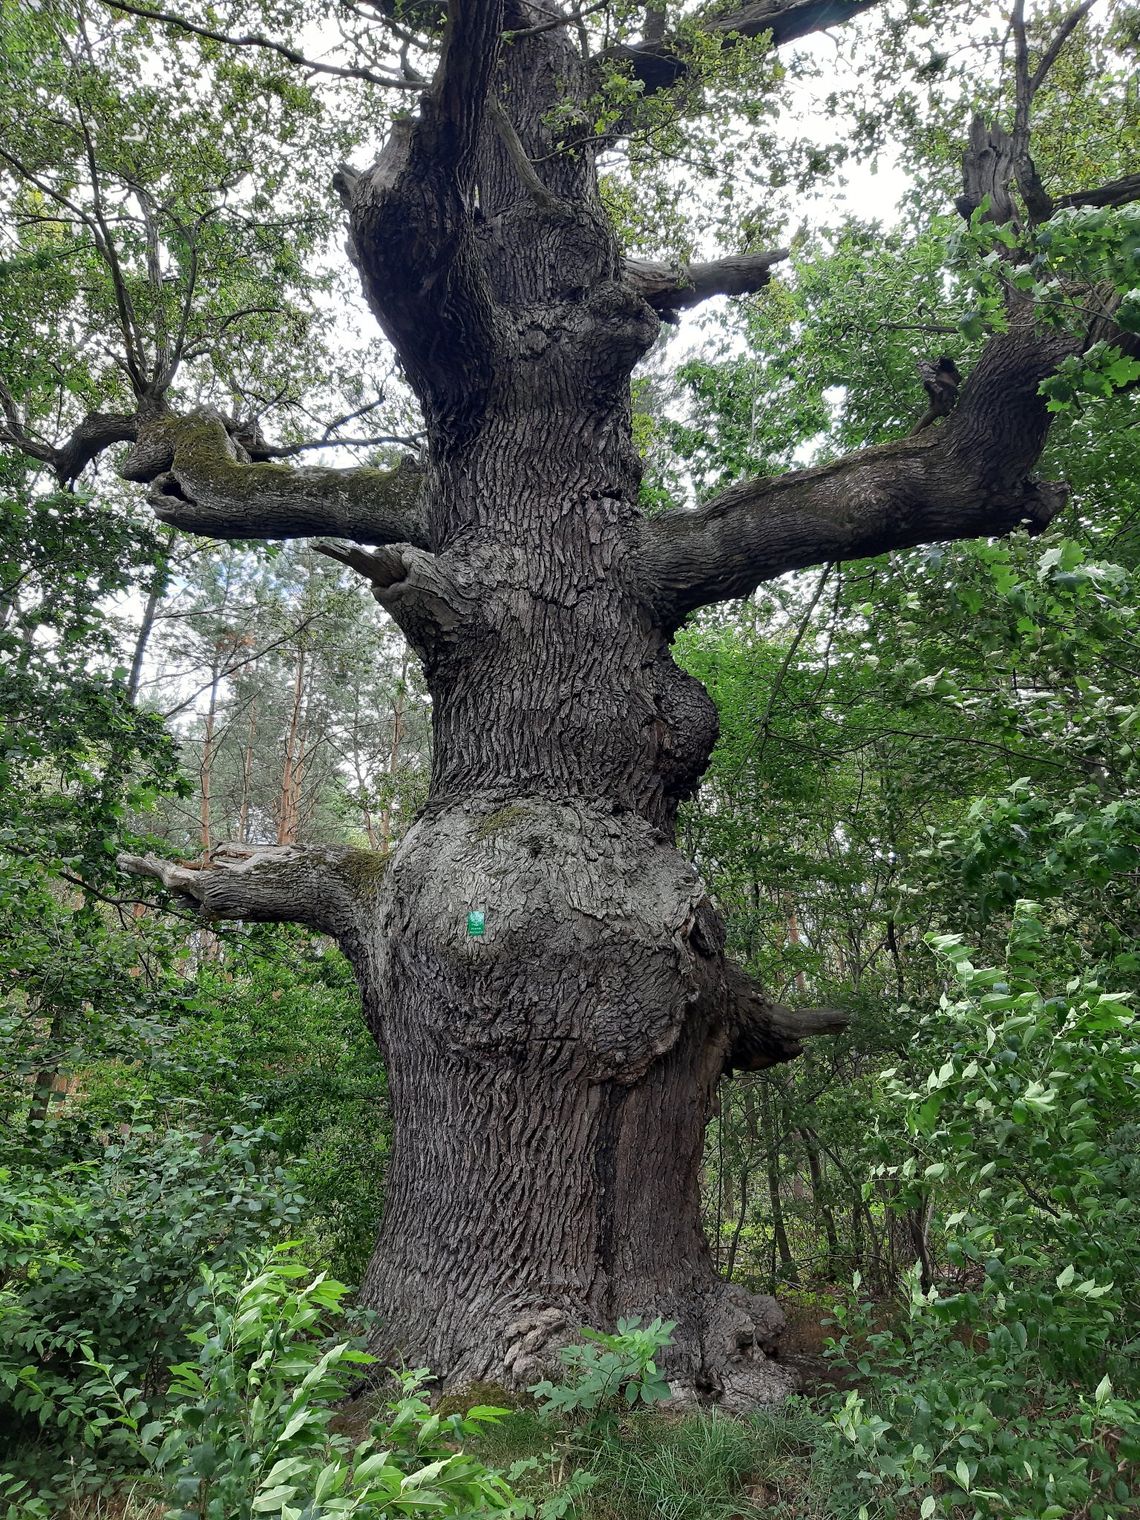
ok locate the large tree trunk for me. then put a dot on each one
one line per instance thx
(552, 1064)
(551, 1076)
(550, 1082)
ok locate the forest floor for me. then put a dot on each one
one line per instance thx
(682, 1464)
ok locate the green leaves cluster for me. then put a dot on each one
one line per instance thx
(167, 217)
(101, 1253)
(1013, 1383)
(247, 1430)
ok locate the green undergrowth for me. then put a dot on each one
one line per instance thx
(697, 1466)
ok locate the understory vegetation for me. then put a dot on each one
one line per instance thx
(923, 810)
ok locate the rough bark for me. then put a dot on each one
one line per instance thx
(543, 971)
(669, 289)
(330, 888)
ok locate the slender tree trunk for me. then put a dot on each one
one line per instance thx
(150, 613)
(896, 957)
(749, 1144)
(741, 1218)
(819, 1197)
(247, 775)
(918, 1222)
(206, 766)
(775, 1197)
(857, 1230)
(293, 765)
(796, 938)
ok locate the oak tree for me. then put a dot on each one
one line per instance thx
(544, 972)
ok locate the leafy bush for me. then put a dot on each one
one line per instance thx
(105, 1254)
(1012, 1379)
(277, 1038)
(250, 1431)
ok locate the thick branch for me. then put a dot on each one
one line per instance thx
(97, 431)
(67, 460)
(418, 592)
(323, 886)
(1050, 55)
(669, 289)
(665, 61)
(764, 1033)
(1117, 192)
(200, 484)
(412, 219)
(965, 479)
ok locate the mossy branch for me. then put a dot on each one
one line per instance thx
(201, 483)
(325, 887)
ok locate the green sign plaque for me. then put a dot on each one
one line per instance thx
(476, 922)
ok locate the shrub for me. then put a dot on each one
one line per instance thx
(1010, 1380)
(105, 1254)
(608, 1371)
(248, 1431)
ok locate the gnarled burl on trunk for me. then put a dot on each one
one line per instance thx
(551, 1077)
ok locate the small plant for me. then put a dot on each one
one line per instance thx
(608, 1371)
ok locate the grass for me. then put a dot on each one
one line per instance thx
(780, 1464)
(128, 1504)
(701, 1466)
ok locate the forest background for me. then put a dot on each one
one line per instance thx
(922, 808)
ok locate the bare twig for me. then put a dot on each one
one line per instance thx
(1064, 31)
(1037, 202)
(754, 752)
(256, 40)
(572, 18)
